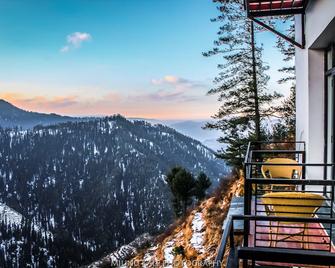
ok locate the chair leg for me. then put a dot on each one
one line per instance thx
(276, 235)
(305, 234)
(271, 233)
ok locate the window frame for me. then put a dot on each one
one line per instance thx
(327, 73)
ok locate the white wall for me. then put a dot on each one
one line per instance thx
(310, 79)
(318, 15)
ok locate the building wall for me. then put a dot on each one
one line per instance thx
(310, 78)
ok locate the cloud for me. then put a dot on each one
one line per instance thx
(174, 97)
(37, 103)
(175, 88)
(65, 49)
(74, 41)
(159, 104)
(177, 81)
(170, 79)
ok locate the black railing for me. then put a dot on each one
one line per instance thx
(283, 215)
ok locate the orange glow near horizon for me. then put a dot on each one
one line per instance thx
(141, 106)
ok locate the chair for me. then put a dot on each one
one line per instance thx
(281, 171)
(291, 204)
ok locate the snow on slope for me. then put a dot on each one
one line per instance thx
(198, 235)
(149, 258)
(125, 252)
(168, 254)
(198, 227)
(13, 217)
(9, 215)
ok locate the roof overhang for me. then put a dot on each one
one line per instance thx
(270, 8)
(262, 8)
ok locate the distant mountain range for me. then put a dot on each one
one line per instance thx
(12, 116)
(192, 128)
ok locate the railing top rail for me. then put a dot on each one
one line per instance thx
(290, 164)
(259, 149)
(277, 142)
(278, 151)
(290, 181)
(282, 219)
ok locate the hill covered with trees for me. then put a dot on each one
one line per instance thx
(94, 185)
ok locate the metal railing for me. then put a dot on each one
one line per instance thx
(281, 215)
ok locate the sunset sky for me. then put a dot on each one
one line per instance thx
(101, 57)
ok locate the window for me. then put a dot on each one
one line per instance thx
(330, 60)
(329, 109)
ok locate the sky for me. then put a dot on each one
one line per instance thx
(103, 57)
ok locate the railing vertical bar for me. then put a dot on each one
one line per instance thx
(331, 210)
(256, 209)
(247, 174)
(245, 238)
(303, 169)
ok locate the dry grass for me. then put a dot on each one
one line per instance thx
(214, 211)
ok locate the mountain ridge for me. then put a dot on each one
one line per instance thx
(12, 116)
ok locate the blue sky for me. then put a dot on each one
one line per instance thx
(137, 58)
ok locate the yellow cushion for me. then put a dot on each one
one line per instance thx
(292, 204)
(278, 171)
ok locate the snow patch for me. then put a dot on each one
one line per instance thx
(12, 217)
(168, 254)
(149, 258)
(198, 232)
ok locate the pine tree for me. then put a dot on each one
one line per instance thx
(202, 183)
(182, 185)
(285, 129)
(288, 51)
(241, 85)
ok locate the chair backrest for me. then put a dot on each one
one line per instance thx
(292, 204)
(279, 171)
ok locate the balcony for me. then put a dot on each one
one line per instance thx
(288, 216)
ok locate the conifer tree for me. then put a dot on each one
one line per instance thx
(285, 129)
(184, 188)
(202, 183)
(288, 51)
(241, 84)
(181, 183)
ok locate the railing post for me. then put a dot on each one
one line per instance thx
(247, 198)
(247, 208)
(303, 168)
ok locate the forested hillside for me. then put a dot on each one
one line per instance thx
(94, 185)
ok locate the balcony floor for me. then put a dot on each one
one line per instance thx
(318, 239)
